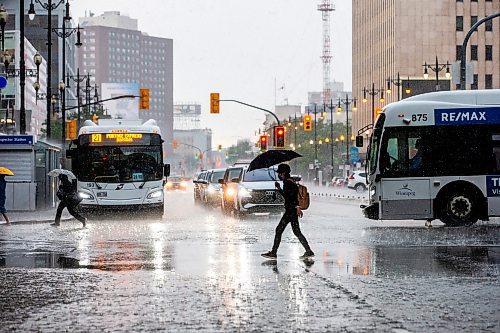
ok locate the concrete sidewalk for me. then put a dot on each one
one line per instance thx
(41, 216)
(342, 193)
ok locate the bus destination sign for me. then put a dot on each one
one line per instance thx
(115, 139)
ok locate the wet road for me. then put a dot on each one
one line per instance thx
(199, 270)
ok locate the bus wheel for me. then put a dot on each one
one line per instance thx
(360, 188)
(459, 209)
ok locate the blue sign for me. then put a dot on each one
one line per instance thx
(3, 82)
(354, 155)
(16, 139)
(493, 186)
(467, 116)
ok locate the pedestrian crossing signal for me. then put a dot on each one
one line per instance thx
(279, 136)
(214, 103)
(263, 142)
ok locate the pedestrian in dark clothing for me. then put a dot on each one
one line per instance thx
(69, 199)
(292, 213)
(3, 211)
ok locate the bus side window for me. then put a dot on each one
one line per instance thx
(496, 153)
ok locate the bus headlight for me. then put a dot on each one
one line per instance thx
(155, 194)
(373, 190)
(86, 196)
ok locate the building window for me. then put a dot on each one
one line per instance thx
(489, 52)
(488, 25)
(488, 81)
(458, 51)
(460, 23)
(473, 52)
(473, 86)
(473, 20)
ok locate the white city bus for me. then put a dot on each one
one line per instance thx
(436, 156)
(119, 166)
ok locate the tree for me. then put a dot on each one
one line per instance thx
(241, 151)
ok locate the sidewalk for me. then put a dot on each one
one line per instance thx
(41, 216)
(336, 193)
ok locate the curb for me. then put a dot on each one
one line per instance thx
(39, 221)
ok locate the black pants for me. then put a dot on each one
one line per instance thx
(290, 216)
(71, 210)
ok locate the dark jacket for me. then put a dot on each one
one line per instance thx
(67, 192)
(290, 193)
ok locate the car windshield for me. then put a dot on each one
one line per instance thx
(120, 164)
(261, 175)
(216, 175)
(174, 179)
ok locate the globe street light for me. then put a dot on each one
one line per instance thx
(436, 69)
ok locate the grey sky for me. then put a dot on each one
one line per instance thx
(239, 49)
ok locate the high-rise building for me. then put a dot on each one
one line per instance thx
(114, 51)
(400, 36)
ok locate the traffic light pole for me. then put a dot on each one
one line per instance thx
(103, 100)
(252, 106)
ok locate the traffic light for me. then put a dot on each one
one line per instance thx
(279, 136)
(144, 99)
(71, 132)
(219, 148)
(95, 118)
(307, 123)
(263, 142)
(214, 103)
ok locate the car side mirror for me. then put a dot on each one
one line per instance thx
(166, 170)
(359, 141)
(204, 182)
(235, 180)
(220, 181)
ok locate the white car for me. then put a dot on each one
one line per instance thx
(357, 181)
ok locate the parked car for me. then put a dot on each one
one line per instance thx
(357, 181)
(251, 192)
(337, 182)
(211, 188)
(176, 183)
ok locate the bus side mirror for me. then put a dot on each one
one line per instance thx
(70, 153)
(166, 170)
(359, 141)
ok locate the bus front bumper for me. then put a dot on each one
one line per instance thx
(371, 211)
(126, 209)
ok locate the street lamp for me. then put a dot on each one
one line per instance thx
(49, 6)
(4, 15)
(436, 69)
(347, 102)
(397, 82)
(373, 92)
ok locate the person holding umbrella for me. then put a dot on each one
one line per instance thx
(292, 213)
(3, 184)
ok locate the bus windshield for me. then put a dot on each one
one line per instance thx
(120, 164)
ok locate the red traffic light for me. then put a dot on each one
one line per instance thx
(279, 137)
(263, 142)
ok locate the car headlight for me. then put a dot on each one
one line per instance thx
(169, 184)
(155, 194)
(183, 184)
(230, 192)
(85, 195)
(245, 192)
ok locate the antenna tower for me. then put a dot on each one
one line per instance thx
(325, 8)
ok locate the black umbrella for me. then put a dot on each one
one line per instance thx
(272, 157)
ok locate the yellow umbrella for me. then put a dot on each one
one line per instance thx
(6, 172)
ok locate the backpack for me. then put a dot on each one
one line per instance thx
(303, 197)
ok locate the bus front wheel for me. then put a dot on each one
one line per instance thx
(459, 209)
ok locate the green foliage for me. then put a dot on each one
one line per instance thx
(241, 151)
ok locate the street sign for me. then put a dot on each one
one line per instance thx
(214, 103)
(3, 81)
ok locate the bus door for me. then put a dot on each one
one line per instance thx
(405, 191)
(493, 181)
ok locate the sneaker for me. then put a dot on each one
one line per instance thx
(307, 255)
(270, 255)
(55, 224)
(84, 222)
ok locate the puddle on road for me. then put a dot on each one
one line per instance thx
(38, 260)
(443, 261)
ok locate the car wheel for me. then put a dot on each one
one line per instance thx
(360, 188)
(459, 209)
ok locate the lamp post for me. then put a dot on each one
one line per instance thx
(78, 80)
(373, 92)
(347, 101)
(397, 82)
(49, 7)
(62, 88)
(437, 68)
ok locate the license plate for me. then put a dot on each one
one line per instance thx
(102, 194)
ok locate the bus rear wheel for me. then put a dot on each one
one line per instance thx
(459, 209)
